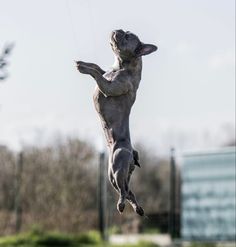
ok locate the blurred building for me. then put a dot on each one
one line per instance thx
(208, 195)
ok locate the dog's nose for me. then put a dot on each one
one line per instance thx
(119, 31)
(117, 34)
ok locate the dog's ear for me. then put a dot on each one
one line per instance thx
(145, 49)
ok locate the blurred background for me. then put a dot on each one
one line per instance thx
(52, 150)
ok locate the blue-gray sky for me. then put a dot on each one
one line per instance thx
(187, 93)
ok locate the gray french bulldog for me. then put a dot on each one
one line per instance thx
(114, 96)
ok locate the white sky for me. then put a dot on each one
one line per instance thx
(187, 93)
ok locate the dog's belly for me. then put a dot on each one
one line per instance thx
(114, 115)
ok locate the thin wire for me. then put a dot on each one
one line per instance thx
(92, 25)
(74, 37)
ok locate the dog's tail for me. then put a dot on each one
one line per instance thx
(136, 158)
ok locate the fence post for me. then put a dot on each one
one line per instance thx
(102, 196)
(18, 181)
(172, 199)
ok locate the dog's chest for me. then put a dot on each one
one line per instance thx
(109, 75)
(100, 100)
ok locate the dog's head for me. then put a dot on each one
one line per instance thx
(127, 45)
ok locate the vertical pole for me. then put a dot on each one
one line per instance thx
(18, 208)
(102, 196)
(172, 194)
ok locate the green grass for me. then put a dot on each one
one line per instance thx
(42, 239)
(38, 238)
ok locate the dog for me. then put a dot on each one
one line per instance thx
(114, 96)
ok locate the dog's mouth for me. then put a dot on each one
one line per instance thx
(117, 36)
(113, 34)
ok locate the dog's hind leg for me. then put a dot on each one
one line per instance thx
(120, 166)
(123, 189)
(133, 202)
(129, 194)
(131, 197)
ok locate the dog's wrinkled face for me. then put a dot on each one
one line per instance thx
(127, 45)
(124, 44)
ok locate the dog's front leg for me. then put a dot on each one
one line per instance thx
(117, 86)
(88, 68)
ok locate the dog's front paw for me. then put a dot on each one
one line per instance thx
(82, 67)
